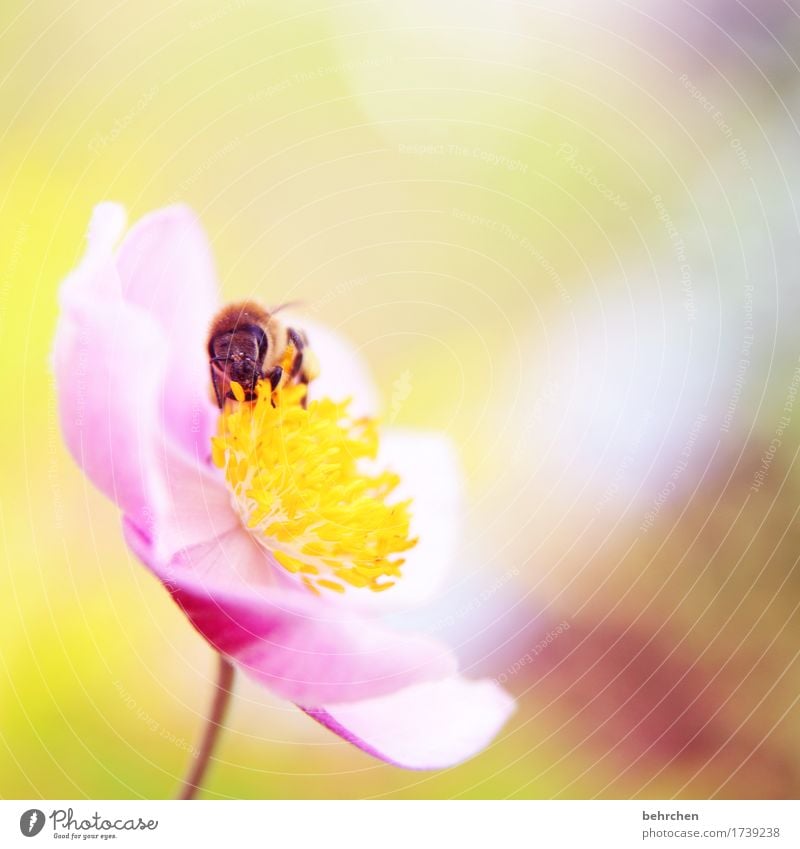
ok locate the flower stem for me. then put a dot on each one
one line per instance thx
(222, 696)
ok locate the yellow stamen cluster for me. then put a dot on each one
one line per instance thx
(298, 482)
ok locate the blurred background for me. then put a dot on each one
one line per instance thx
(565, 233)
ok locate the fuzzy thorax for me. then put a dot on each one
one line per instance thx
(299, 482)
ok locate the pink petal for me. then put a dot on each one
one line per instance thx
(298, 645)
(430, 474)
(96, 276)
(109, 364)
(428, 726)
(197, 507)
(166, 269)
(110, 360)
(343, 371)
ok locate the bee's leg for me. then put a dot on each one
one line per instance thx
(300, 371)
(297, 342)
(304, 402)
(274, 376)
(217, 388)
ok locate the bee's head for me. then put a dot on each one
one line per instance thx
(239, 353)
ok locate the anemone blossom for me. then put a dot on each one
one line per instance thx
(283, 532)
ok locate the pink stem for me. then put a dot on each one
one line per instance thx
(222, 696)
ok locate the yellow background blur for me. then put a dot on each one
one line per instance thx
(539, 223)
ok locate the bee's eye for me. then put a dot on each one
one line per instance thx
(261, 342)
(221, 345)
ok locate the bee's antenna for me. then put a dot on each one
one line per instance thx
(287, 305)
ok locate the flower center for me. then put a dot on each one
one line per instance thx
(298, 481)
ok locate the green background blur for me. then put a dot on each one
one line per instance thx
(564, 233)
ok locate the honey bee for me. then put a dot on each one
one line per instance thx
(247, 343)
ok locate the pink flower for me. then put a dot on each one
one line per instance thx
(133, 384)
